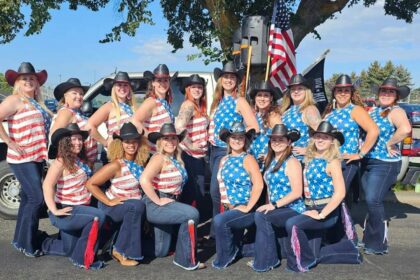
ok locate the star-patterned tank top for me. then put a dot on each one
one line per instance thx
(260, 144)
(293, 119)
(279, 186)
(342, 121)
(318, 184)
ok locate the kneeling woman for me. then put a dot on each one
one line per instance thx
(324, 190)
(162, 181)
(122, 202)
(240, 184)
(68, 203)
(283, 177)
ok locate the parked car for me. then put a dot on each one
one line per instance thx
(96, 96)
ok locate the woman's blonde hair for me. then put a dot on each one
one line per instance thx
(116, 151)
(130, 100)
(287, 101)
(332, 153)
(219, 93)
(37, 94)
(177, 152)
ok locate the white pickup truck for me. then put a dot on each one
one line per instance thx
(97, 95)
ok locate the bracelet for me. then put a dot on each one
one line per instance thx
(361, 155)
(275, 205)
(322, 216)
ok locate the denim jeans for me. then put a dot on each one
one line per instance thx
(229, 228)
(127, 219)
(267, 251)
(29, 176)
(193, 191)
(338, 231)
(377, 179)
(74, 233)
(163, 218)
(216, 154)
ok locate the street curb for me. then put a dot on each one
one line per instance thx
(407, 197)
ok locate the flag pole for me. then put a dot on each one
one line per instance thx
(248, 68)
(267, 67)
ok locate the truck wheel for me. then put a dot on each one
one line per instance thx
(9, 192)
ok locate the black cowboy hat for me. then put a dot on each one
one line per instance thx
(161, 71)
(128, 131)
(265, 86)
(343, 81)
(194, 79)
(392, 83)
(62, 88)
(299, 79)
(326, 127)
(167, 129)
(229, 67)
(121, 77)
(237, 128)
(60, 133)
(282, 131)
(25, 68)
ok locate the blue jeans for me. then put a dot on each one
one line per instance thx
(74, 233)
(377, 179)
(127, 219)
(216, 154)
(193, 191)
(163, 218)
(267, 253)
(29, 176)
(229, 228)
(349, 171)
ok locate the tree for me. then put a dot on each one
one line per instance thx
(206, 21)
(4, 86)
(375, 75)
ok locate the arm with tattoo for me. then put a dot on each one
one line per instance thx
(186, 113)
(312, 117)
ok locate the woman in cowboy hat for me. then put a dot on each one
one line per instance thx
(28, 123)
(324, 189)
(70, 97)
(299, 112)
(346, 112)
(162, 181)
(382, 163)
(193, 117)
(156, 109)
(116, 112)
(241, 185)
(68, 200)
(122, 202)
(228, 107)
(283, 176)
(264, 99)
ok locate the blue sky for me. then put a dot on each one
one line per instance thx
(68, 45)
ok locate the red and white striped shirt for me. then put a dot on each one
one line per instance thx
(90, 144)
(155, 122)
(125, 185)
(169, 180)
(27, 129)
(197, 134)
(114, 126)
(71, 189)
(222, 187)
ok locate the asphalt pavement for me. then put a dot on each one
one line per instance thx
(402, 262)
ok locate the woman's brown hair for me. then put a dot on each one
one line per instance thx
(355, 99)
(68, 157)
(271, 155)
(219, 93)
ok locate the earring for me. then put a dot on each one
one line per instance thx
(333, 102)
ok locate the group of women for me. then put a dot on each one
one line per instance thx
(283, 168)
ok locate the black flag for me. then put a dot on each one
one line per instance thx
(316, 74)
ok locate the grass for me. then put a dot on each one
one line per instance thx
(401, 187)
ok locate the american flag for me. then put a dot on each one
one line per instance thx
(281, 47)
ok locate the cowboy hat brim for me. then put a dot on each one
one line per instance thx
(402, 91)
(128, 136)
(155, 136)
(148, 75)
(226, 133)
(293, 135)
(334, 134)
(108, 83)
(217, 73)
(274, 92)
(62, 88)
(12, 75)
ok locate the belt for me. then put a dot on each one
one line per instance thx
(316, 202)
(169, 195)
